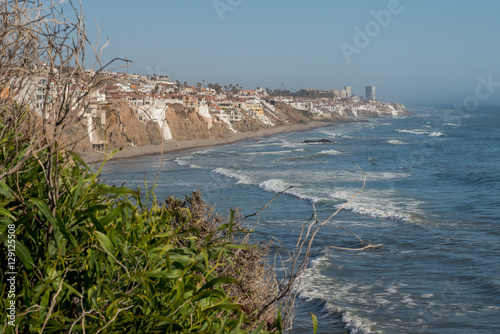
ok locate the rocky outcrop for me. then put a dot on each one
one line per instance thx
(320, 141)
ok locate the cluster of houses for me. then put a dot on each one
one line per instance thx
(153, 93)
(151, 96)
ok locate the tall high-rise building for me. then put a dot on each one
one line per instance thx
(348, 90)
(370, 93)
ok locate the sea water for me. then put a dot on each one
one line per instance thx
(432, 199)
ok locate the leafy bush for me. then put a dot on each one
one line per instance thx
(104, 259)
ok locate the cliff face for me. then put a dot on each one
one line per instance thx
(289, 114)
(248, 124)
(77, 138)
(188, 124)
(118, 123)
(122, 128)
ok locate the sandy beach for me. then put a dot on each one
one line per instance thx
(184, 145)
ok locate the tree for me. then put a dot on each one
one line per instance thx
(218, 88)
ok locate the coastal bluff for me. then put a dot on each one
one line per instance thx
(142, 131)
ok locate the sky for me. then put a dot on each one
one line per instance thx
(413, 51)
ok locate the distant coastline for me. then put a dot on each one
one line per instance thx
(173, 146)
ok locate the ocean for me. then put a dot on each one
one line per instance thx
(432, 198)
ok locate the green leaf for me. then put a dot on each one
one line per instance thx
(56, 223)
(78, 189)
(209, 293)
(279, 322)
(23, 255)
(315, 323)
(99, 207)
(180, 288)
(175, 273)
(97, 224)
(112, 215)
(106, 243)
(65, 231)
(164, 235)
(219, 280)
(44, 209)
(7, 213)
(45, 299)
(258, 329)
(114, 191)
(7, 191)
(78, 159)
(223, 306)
(238, 247)
(223, 227)
(73, 290)
(26, 290)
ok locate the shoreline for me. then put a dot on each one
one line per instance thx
(172, 146)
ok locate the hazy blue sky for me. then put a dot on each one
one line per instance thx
(430, 51)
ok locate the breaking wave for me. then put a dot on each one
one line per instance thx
(241, 178)
(396, 142)
(182, 162)
(315, 285)
(422, 132)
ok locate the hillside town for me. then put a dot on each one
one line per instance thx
(134, 110)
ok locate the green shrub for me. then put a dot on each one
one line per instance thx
(104, 259)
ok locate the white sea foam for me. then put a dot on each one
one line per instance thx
(314, 285)
(378, 204)
(273, 185)
(408, 300)
(373, 177)
(310, 194)
(336, 134)
(422, 132)
(391, 290)
(331, 134)
(358, 325)
(185, 162)
(396, 142)
(451, 124)
(436, 134)
(415, 132)
(330, 152)
(242, 179)
(275, 152)
(182, 161)
(377, 213)
(289, 144)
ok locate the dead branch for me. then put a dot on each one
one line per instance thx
(300, 257)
